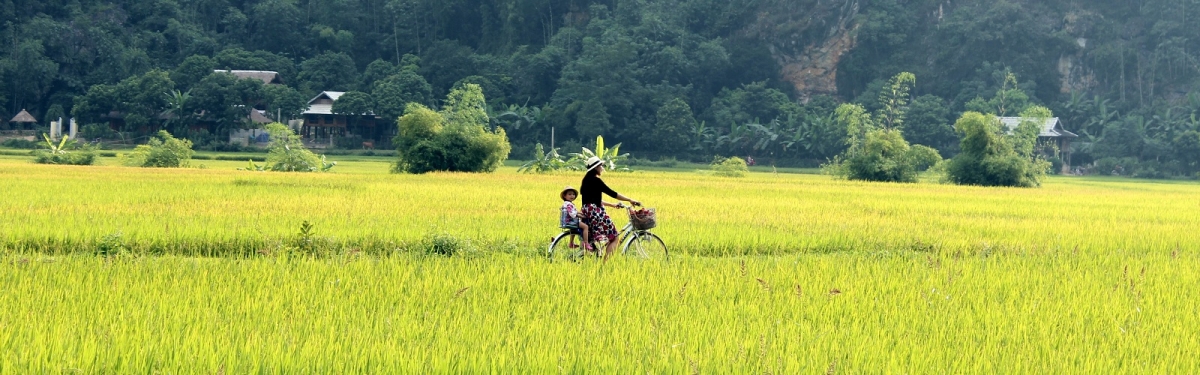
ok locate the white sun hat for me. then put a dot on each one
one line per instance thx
(593, 162)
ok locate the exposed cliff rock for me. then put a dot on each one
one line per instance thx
(808, 39)
(1075, 75)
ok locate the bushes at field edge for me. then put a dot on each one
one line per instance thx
(991, 157)
(730, 167)
(163, 151)
(455, 139)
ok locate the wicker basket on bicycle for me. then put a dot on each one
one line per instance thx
(643, 218)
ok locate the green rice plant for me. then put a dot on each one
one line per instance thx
(882, 312)
(220, 211)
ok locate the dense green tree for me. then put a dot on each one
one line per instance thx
(275, 26)
(394, 93)
(192, 70)
(30, 73)
(98, 102)
(454, 139)
(494, 92)
(991, 157)
(1126, 138)
(1187, 145)
(445, 62)
(139, 101)
(376, 71)
(592, 118)
(354, 103)
(876, 153)
(928, 123)
(883, 155)
(332, 40)
(671, 132)
(283, 101)
(330, 71)
(893, 101)
(535, 75)
(753, 102)
(226, 100)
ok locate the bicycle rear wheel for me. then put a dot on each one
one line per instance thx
(645, 245)
(560, 247)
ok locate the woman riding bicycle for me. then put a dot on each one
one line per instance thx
(598, 221)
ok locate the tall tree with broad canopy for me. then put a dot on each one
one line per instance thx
(454, 139)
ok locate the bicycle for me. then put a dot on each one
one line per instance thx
(638, 238)
(559, 245)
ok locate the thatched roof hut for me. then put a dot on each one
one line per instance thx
(24, 117)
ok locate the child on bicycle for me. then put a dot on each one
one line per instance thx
(569, 218)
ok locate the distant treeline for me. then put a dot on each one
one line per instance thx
(684, 78)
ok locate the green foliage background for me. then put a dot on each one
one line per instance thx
(677, 78)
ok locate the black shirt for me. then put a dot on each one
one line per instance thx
(591, 188)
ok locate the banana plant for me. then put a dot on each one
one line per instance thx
(702, 136)
(60, 149)
(544, 162)
(611, 157)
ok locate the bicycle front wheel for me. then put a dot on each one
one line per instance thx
(560, 247)
(645, 245)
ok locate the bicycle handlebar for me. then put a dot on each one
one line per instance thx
(630, 206)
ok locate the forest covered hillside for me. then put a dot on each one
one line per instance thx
(684, 78)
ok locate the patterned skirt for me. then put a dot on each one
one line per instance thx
(598, 222)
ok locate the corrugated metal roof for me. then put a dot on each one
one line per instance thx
(1051, 128)
(325, 109)
(319, 109)
(331, 95)
(266, 76)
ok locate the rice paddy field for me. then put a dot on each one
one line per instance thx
(109, 269)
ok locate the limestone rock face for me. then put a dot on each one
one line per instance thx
(808, 39)
(1075, 75)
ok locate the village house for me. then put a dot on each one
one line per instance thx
(323, 128)
(1052, 134)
